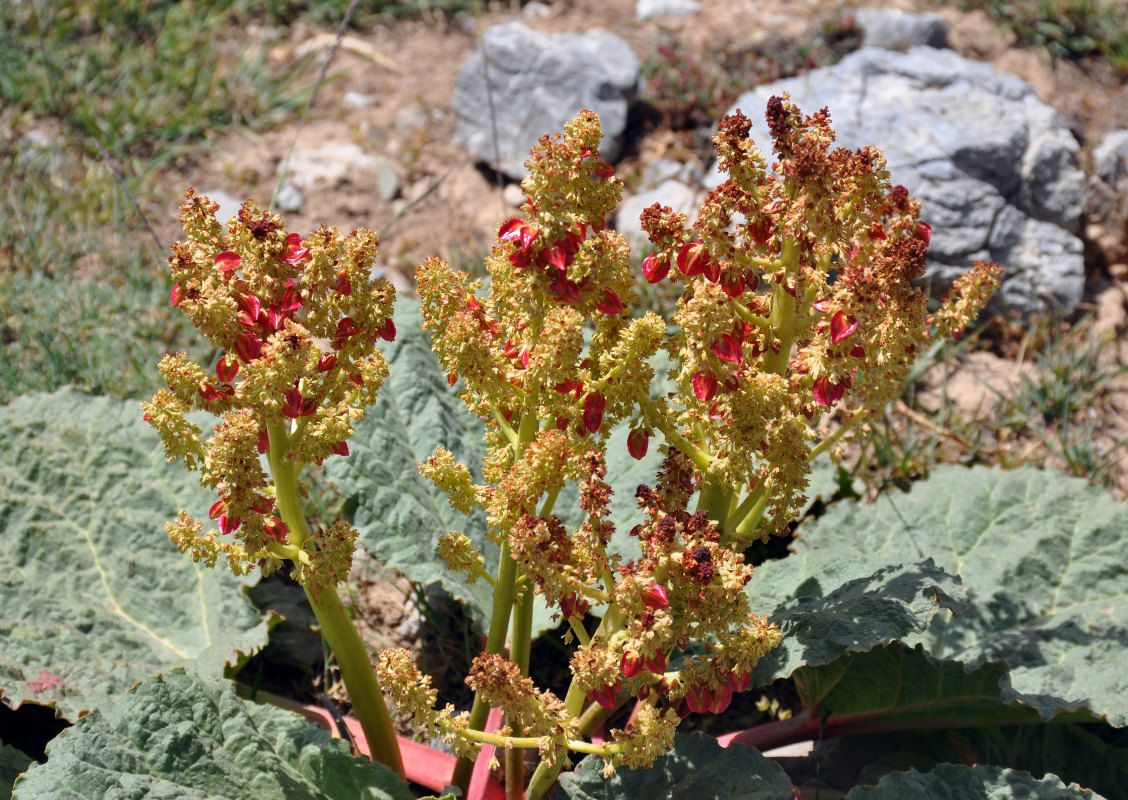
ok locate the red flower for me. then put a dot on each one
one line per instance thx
(346, 327)
(326, 362)
(841, 326)
(656, 663)
(924, 231)
(654, 596)
(217, 510)
(655, 267)
(728, 349)
(276, 529)
(637, 442)
(693, 259)
(227, 369)
(247, 346)
(594, 404)
(343, 284)
(208, 392)
(262, 505)
(387, 331)
(610, 304)
(229, 524)
(263, 441)
(630, 664)
(341, 448)
(228, 261)
(705, 385)
(294, 405)
(174, 295)
(739, 681)
(293, 252)
(827, 393)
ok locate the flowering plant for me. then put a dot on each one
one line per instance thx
(798, 320)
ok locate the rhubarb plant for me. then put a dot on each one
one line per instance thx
(552, 454)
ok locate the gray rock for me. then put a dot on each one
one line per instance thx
(994, 167)
(387, 180)
(1110, 158)
(290, 198)
(651, 9)
(671, 193)
(1106, 201)
(537, 83)
(666, 169)
(330, 164)
(893, 29)
(228, 205)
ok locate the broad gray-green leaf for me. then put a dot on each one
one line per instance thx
(93, 596)
(12, 763)
(829, 603)
(180, 736)
(957, 782)
(1044, 559)
(401, 516)
(696, 768)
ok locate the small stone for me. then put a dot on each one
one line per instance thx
(357, 100)
(387, 181)
(893, 29)
(329, 164)
(646, 10)
(290, 198)
(513, 195)
(228, 205)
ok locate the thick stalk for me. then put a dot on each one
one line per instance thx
(545, 776)
(337, 627)
(782, 318)
(495, 643)
(519, 651)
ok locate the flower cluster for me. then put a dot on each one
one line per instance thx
(798, 308)
(798, 301)
(295, 324)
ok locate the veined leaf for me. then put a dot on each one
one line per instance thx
(829, 603)
(93, 596)
(180, 736)
(1044, 559)
(696, 767)
(400, 515)
(957, 782)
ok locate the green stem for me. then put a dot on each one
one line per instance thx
(495, 643)
(337, 627)
(782, 318)
(519, 651)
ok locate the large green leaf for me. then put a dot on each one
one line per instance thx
(401, 516)
(93, 596)
(829, 603)
(1044, 559)
(957, 782)
(180, 736)
(697, 768)
(12, 763)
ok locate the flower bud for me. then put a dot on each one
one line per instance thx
(654, 596)
(637, 442)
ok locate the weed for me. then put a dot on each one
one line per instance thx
(1064, 28)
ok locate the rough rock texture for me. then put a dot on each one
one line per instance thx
(1106, 202)
(995, 168)
(893, 29)
(538, 82)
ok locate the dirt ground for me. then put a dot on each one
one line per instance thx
(403, 75)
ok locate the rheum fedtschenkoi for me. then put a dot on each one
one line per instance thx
(798, 319)
(296, 324)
